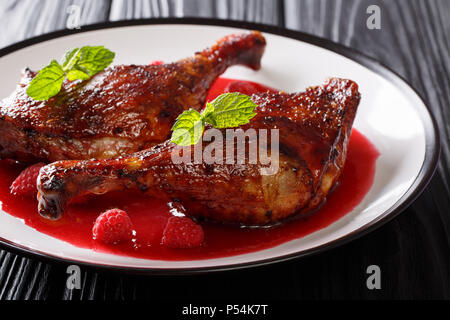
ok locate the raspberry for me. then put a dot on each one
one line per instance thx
(25, 183)
(182, 232)
(156, 62)
(241, 87)
(112, 227)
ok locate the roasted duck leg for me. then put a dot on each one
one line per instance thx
(314, 130)
(119, 111)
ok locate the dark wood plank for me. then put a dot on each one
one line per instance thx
(44, 16)
(138, 9)
(267, 11)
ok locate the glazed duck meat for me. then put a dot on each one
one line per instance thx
(121, 110)
(314, 131)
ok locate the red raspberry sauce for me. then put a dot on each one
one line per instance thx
(149, 215)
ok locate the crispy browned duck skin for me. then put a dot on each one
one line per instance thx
(119, 111)
(314, 130)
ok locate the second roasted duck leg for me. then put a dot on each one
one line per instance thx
(314, 130)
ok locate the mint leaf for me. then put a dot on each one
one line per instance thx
(188, 128)
(89, 60)
(230, 110)
(70, 59)
(47, 83)
(94, 59)
(74, 74)
(227, 111)
(208, 114)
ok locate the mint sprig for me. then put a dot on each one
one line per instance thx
(76, 64)
(228, 110)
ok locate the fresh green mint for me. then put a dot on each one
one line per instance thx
(188, 128)
(228, 110)
(48, 82)
(77, 64)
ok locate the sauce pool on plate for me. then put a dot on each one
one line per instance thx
(150, 215)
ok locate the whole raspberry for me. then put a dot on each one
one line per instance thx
(182, 232)
(241, 87)
(25, 183)
(156, 62)
(112, 227)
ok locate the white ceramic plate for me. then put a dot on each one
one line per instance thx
(391, 115)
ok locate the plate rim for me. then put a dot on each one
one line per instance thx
(427, 170)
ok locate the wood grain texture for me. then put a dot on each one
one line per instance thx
(267, 11)
(412, 250)
(27, 18)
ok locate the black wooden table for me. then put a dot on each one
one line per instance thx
(413, 250)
